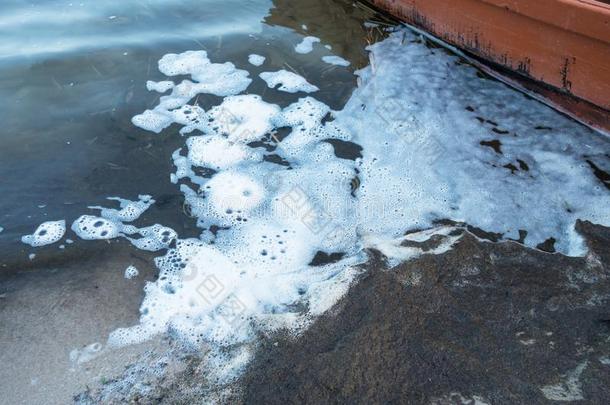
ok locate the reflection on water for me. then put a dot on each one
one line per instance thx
(43, 27)
(348, 27)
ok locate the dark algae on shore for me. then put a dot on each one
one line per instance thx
(486, 322)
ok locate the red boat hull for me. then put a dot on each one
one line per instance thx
(559, 49)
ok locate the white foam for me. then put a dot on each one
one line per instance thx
(306, 45)
(220, 79)
(256, 60)
(47, 233)
(426, 160)
(289, 82)
(90, 227)
(112, 224)
(217, 152)
(130, 210)
(395, 250)
(569, 389)
(152, 238)
(86, 354)
(131, 272)
(233, 195)
(151, 120)
(335, 60)
(422, 161)
(160, 87)
(242, 119)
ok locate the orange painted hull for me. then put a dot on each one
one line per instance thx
(559, 49)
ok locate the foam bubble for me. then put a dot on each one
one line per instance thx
(90, 227)
(113, 223)
(335, 60)
(86, 354)
(289, 82)
(130, 210)
(160, 87)
(150, 120)
(153, 238)
(256, 60)
(131, 272)
(47, 233)
(218, 152)
(234, 195)
(243, 118)
(306, 45)
(430, 157)
(221, 79)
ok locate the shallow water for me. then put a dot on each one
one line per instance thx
(67, 141)
(72, 75)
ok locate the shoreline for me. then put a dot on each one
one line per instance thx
(487, 322)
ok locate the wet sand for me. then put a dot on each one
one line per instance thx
(52, 308)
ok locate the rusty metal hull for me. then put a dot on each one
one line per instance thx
(559, 49)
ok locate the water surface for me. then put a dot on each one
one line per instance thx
(72, 75)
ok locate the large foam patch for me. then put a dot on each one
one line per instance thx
(279, 242)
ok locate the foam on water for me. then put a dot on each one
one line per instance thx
(449, 144)
(47, 233)
(90, 227)
(306, 45)
(220, 79)
(217, 152)
(130, 210)
(438, 143)
(112, 224)
(335, 60)
(152, 238)
(289, 82)
(244, 118)
(131, 272)
(256, 60)
(160, 87)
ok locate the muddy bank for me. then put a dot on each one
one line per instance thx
(488, 322)
(495, 322)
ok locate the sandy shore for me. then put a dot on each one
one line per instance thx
(483, 323)
(50, 308)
